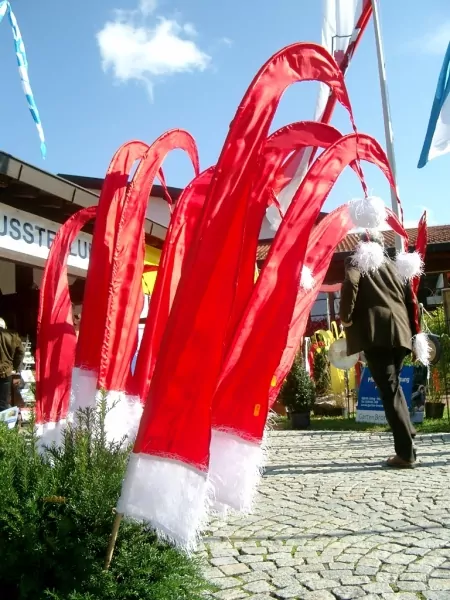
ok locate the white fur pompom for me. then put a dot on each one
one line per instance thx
(307, 281)
(368, 257)
(421, 348)
(369, 213)
(409, 264)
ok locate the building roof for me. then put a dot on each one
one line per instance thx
(95, 184)
(437, 234)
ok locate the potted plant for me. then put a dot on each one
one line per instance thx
(439, 381)
(298, 395)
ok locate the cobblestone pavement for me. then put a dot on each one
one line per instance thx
(331, 523)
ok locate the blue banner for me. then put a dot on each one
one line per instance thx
(370, 408)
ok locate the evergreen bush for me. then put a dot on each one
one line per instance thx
(298, 393)
(56, 515)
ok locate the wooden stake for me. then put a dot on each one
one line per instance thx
(113, 540)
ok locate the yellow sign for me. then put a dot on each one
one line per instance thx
(152, 257)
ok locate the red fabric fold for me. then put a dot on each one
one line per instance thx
(56, 338)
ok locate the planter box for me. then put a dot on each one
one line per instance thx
(300, 420)
(434, 410)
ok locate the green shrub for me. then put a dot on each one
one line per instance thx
(298, 393)
(56, 515)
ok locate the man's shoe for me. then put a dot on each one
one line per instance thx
(396, 462)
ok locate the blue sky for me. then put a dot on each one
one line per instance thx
(200, 57)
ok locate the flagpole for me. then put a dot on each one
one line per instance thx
(386, 113)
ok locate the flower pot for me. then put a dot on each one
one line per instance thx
(434, 410)
(300, 420)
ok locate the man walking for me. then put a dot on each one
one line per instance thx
(377, 310)
(11, 356)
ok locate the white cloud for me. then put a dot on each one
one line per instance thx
(147, 7)
(133, 50)
(435, 42)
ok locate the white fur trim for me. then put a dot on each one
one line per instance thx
(50, 433)
(368, 213)
(84, 389)
(170, 496)
(421, 348)
(235, 469)
(409, 264)
(123, 416)
(307, 280)
(368, 257)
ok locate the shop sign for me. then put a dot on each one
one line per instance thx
(370, 407)
(27, 238)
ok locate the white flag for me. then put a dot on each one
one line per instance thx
(339, 33)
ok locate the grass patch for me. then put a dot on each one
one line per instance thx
(349, 424)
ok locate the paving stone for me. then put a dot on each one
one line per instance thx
(224, 583)
(223, 560)
(236, 569)
(348, 592)
(258, 587)
(355, 580)
(250, 558)
(294, 591)
(377, 588)
(411, 586)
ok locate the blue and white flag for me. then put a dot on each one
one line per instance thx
(21, 56)
(437, 138)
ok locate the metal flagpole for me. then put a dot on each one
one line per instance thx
(386, 112)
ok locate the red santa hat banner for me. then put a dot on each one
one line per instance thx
(119, 250)
(125, 287)
(183, 228)
(237, 435)
(92, 326)
(56, 338)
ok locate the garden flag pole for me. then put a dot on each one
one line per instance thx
(437, 138)
(386, 116)
(5, 7)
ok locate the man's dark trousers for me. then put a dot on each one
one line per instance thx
(5, 393)
(385, 365)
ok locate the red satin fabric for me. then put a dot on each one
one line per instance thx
(393, 221)
(109, 209)
(192, 349)
(125, 288)
(263, 333)
(181, 234)
(421, 247)
(56, 338)
(321, 246)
